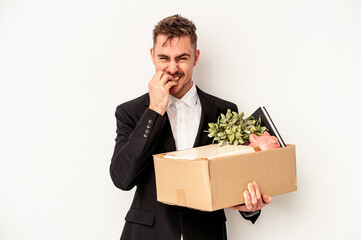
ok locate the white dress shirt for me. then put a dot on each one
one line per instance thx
(184, 116)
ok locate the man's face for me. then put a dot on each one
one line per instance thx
(177, 58)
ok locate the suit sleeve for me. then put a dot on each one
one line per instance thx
(251, 216)
(135, 143)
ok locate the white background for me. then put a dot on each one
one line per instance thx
(66, 65)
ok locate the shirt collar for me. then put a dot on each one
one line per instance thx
(190, 98)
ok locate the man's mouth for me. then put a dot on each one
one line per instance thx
(177, 78)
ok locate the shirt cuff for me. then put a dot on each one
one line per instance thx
(250, 214)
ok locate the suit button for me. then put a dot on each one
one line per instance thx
(145, 135)
(148, 126)
(146, 130)
(150, 121)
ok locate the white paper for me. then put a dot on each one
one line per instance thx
(209, 152)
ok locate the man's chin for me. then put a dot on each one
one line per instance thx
(173, 90)
(176, 91)
(181, 89)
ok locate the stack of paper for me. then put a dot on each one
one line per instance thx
(209, 152)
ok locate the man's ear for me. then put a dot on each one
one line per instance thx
(196, 57)
(152, 55)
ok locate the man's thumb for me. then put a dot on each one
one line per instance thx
(267, 199)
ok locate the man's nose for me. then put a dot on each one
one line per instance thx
(172, 67)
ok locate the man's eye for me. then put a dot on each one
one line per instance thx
(183, 58)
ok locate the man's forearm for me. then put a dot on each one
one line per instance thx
(135, 144)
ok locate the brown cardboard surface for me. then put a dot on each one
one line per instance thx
(212, 184)
(183, 182)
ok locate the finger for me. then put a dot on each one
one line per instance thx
(170, 84)
(258, 193)
(253, 195)
(154, 82)
(241, 208)
(267, 199)
(157, 76)
(165, 78)
(247, 200)
(238, 207)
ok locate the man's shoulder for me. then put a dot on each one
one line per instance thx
(136, 103)
(219, 102)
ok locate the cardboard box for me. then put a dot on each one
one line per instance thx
(210, 184)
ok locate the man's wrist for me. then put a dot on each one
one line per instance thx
(157, 110)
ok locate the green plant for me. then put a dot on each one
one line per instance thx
(231, 128)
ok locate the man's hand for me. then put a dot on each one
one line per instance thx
(253, 199)
(159, 91)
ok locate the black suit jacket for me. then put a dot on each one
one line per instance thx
(142, 133)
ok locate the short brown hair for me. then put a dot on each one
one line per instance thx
(175, 26)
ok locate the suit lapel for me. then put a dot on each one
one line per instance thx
(209, 114)
(167, 136)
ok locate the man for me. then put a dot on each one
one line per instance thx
(172, 116)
